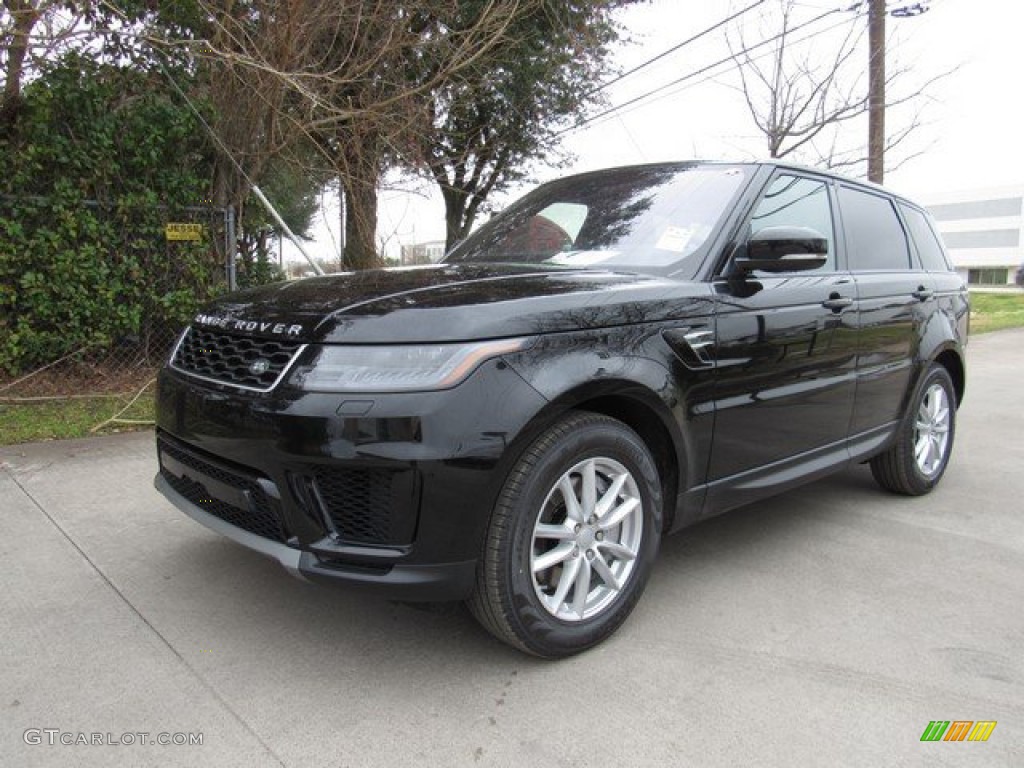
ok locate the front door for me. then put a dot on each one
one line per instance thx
(786, 345)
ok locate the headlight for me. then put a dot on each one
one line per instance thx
(396, 368)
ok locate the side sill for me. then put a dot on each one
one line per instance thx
(763, 482)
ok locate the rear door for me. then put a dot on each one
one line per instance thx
(895, 297)
(950, 288)
(786, 343)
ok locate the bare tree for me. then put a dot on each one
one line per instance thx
(805, 84)
(342, 74)
(482, 130)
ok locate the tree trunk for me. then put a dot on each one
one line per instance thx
(454, 217)
(462, 199)
(342, 218)
(227, 193)
(25, 18)
(359, 183)
(222, 172)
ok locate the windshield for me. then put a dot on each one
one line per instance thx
(652, 218)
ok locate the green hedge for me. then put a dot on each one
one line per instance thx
(75, 273)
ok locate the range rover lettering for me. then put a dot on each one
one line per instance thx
(617, 356)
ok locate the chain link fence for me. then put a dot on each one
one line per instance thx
(93, 297)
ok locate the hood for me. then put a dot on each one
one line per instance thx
(449, 302)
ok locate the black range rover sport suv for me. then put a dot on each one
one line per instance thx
(618, 355)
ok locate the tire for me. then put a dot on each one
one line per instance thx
(556, 578)
(915, 463)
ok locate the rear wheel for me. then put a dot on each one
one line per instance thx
(915, 463)
(572, 538)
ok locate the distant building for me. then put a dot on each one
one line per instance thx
(983, 230)
(422, 253)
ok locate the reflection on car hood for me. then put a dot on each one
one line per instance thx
(450, 303)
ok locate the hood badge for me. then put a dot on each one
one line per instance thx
(239, 324)
(259, 366)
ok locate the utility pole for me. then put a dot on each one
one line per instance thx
(876, 91)
(876, 80)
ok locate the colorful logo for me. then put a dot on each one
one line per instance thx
(958, 730)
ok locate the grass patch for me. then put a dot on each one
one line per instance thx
(996, 311)
(24, 422)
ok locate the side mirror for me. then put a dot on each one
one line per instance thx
(784, 249)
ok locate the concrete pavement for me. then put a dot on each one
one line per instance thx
(825, 627)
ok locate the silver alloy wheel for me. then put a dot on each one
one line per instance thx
(931, 430)
(586, 539)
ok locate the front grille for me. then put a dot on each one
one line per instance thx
(359, 503)
(233, 359)
(261, 519)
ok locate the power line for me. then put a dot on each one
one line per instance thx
(686, 85)
(702, 70)
(632, 140)
(674, 48)
(696, 73)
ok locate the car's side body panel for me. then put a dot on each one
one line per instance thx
(891, 321)
(785, 371)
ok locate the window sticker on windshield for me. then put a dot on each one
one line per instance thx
(581, 258)
(674, 239)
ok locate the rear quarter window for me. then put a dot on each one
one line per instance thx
(933, 257)
(875, 239)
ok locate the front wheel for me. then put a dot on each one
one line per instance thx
(572, 538)
(915, 463)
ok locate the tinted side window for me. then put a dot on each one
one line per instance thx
(932, 256)
(874, 236)
(791, 201)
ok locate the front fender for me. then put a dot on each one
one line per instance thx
(646, 381)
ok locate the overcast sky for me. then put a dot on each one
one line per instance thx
(972, 135)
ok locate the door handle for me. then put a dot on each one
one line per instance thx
(922, 293)
(837, 303)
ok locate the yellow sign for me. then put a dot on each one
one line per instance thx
(180, 231)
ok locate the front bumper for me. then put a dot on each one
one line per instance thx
(393, 491)
(440, 582)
